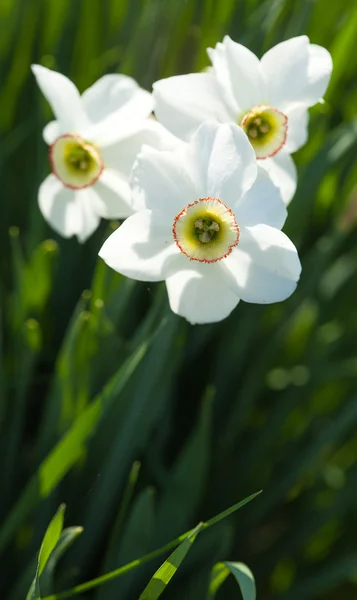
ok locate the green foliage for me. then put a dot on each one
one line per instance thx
(165, 573)
(50, 541)
(241, 573)
(97, 376)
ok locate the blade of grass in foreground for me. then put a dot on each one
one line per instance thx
(88, 585)
(165, 573)
(242, 574)
(49, 542)
(67, 538)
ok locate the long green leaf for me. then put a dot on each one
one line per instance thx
(67, 538)
(165, 573)
(240, 572)
(49, 543)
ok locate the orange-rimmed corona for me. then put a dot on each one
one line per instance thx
(75, 162)
(206, 230)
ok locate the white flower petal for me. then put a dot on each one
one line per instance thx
(160, 181)
(63, 97)
(319, 72)
(296, 72)
(201, 293)
(241, 74)
(298, 119)
(68, 212)
(51, 132)
(141, 248)
(222, 162)
(218, 58)
(282, 171)
(114, 105)
(87, 202)
(114, 92)
(121, 155)
(261, 204)
(265, 266)
(114, 195)
(183, 102)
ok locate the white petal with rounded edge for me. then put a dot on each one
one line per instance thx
(285, 67)
(282, 171)
(141, 248)
(265, 266)
(222, 162)
(261, 204)
(319, 72)
(113, 92)
(183, 102)
(160, 181)
(114, 195)
(298, 119)
(68, 212)
(115, 104)
(63, 97)
(296, 72)
(87, 202)
(244, 80)
(51, 132)
(122, 155)
(201, 293)
(218, 58)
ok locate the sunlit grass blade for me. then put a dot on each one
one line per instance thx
(165, 573)
(67, 538)
(49, 543)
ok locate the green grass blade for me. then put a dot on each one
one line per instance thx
(244, 578)
(230, 511)
(165, 573)
(240, 572)
(219, 575)
(67, 538)
(50, 540)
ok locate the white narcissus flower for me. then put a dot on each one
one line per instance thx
(268, 98)
(208, 223)
(92, 146)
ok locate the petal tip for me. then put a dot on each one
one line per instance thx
(37, 69)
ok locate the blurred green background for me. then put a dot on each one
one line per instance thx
(195, 418)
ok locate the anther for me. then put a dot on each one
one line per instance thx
(205, 237)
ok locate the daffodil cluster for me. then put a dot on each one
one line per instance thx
(203, 186)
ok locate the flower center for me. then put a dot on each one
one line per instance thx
(206, 230)
(75, 162)
(266, 128)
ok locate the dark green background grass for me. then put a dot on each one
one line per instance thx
(266, 399)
